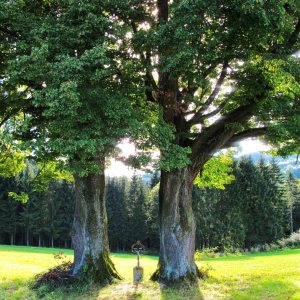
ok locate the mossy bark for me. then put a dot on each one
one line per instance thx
(90, 238)
(177, 227)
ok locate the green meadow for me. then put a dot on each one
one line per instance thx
(271, 275)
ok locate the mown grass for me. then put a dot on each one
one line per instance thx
(272, 275)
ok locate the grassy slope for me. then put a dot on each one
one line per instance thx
(273, 275)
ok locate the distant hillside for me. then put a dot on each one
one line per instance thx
(286, 164)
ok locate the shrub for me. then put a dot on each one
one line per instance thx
(293, 241)
(206, 253)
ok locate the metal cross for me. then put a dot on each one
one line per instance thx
(137, 248)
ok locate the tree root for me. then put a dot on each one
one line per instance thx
(102, 270)
(189, 276)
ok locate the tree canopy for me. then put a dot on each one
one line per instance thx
(214, 71)
(225, 70)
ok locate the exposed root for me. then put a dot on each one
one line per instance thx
(190, 277)
(102, 271)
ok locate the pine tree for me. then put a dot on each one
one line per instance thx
(293, 199)
(8, 210)
(65, 192)
(204, 205)
(218, 215)
(117, 213)
(39, 212)
(155, 178)
(153, 216)
(26, 216)
(271, 212)
(137, 210)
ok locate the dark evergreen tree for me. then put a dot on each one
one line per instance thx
(269, 209)
(117, 213)
(8, 211)
(152, 215)
(251, 210)
(155, 178)
(293, 200)
(204, 202)
(137, 210)
(37, 209)
(28, 212)
(218, 215)
(65, 194)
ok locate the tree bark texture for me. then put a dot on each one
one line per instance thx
(90, 238)
(177, 227)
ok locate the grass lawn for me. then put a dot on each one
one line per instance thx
(272, 275)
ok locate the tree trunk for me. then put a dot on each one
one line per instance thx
(177, 227)
(90, 238)
(27, 237)
(291, 219)
(40, 240)
(12, 235)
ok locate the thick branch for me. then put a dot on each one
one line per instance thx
(294, 36)
(197, 117)
(6, 118)
(287, 47)
(163, 10)
(218, 134)
(213, 113)
(147, 62)
(250, 133)
(149, 80)
(189, 112)
(217, 88)
(10, 32)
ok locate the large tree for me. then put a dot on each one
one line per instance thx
(221, 71)
(65, 67)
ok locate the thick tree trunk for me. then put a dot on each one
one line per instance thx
(177, 227)
(90, 239)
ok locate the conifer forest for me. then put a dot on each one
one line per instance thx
(259, 207)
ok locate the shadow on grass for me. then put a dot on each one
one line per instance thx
(184, 290)
(128, 291)
(119, 290)
(122, 290)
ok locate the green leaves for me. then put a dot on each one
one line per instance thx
(216, 172)
(84, 67)
(174, 157)
(22, 197)
(47, 172)
(12, 160)
(84, 92)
